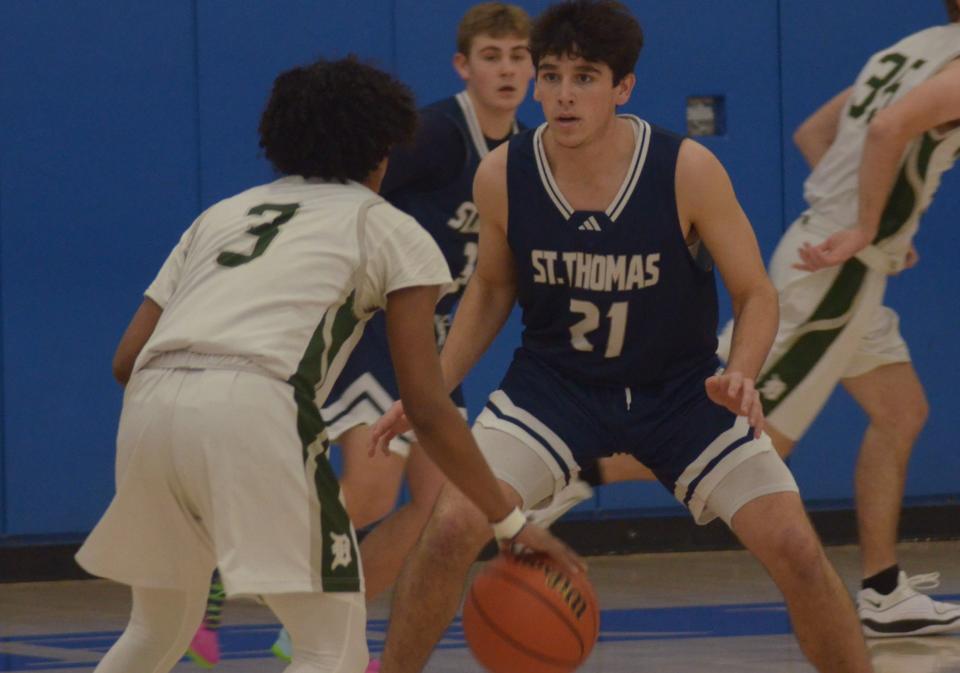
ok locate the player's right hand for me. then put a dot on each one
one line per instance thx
(737, 393)
(837, 249)
(391, 424)
(533, 538)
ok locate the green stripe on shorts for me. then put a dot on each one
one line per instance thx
(801, 357)
(336, 551)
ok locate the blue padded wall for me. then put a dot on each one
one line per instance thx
(99, 136)
(242, 48)
(120, 121)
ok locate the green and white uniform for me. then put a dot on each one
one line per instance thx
(833, 323)
(221, 450)
(832, 188)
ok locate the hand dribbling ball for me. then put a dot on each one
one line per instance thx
(525, 615)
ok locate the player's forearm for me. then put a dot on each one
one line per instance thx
(811, 145)
(816, 134)
(447, 440)
(882, 154)
(481, 314)
(138, 332)
(755, 320)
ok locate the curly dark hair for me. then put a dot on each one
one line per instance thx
(602, 31)
(335, 120)
(953, 11)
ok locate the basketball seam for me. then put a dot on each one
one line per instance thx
(546, 658)
(518, 645)
(553, 608)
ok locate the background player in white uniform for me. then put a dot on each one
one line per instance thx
(221, 450)
(877, 151)
(585, 190)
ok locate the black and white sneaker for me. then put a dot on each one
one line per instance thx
(906, 611)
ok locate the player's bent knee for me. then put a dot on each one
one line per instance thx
(792, 552)
(905, 422)
(909, 422)
(797, 549)
(456, 522)
(901, 417)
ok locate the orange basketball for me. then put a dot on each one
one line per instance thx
(524, 615)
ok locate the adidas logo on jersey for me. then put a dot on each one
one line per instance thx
(590, 224)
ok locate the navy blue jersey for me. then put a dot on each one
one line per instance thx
(443, 204)
(612, 297)
(432, 180)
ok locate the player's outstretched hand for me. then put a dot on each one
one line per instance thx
(837, 249)
(737, 393)
(533, 538)
(391, 424)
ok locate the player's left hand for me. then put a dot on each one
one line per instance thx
(388, 426)
(736, 392)
(837, 249)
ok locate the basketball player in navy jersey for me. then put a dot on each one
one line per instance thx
(432, 180)
(593, 222)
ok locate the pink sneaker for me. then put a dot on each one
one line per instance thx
(373, 666)
(204, 649)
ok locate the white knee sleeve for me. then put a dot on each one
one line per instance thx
(162, 623)
(328, 631)
(759, 475)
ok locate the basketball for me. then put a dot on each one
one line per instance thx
(523, 614)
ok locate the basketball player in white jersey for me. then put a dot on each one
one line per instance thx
(221, 449)
(877, 151)
(431, 180)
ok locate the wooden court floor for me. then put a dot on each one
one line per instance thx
(662, 613)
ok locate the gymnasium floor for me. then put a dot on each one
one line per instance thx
(663, 613)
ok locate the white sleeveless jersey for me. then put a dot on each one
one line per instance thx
(284, 274)
(831, 189)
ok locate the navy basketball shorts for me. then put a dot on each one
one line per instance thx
(367, 387)
(690, 443)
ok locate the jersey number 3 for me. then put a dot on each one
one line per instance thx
(885, 84)
(591, 321)
(265, 232)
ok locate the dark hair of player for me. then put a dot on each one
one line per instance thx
(496, 19)
(601, 31)
(952, 9)
(335, 120)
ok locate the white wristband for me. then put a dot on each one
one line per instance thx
(511, 526)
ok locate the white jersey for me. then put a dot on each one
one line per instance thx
(831, 189)
(284, 274)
